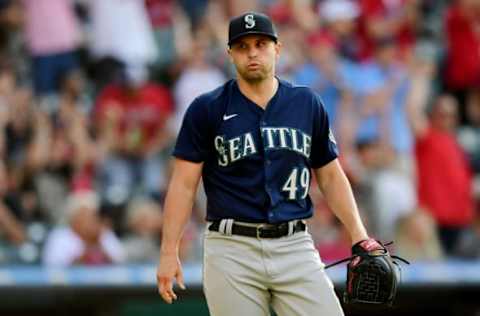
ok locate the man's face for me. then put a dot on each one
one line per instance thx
(387, 54)
(254, 57)
(87, 224)
(445, 114)
(323, 55)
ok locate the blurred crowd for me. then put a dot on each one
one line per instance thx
(92, 94)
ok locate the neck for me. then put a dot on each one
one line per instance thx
(259, 92)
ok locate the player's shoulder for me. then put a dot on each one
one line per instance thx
(304, 94)
(297, 90)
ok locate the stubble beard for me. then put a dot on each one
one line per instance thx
(257, 76)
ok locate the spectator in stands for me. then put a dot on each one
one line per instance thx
(144, 222)
(12, 234)
(387, 193)
(11, 42)
(74, 92)
(161, 14)
(8, 87)
(469, 138)
(444, 175)
(383, 85)
(468, 245)
(195, 10)
(328, 74)
(469, 135)
(18, 118)
(113, 24)
(11, 18)
(85, 239)
(296, 14)
(385, 18)
(130, 120)
(339, 19)
(235, 7)
(63, 154)
(53, 37)
(18, 201)
(10, 98)
(416, 237)
(462, 64)
(198, 68)
(73, 119)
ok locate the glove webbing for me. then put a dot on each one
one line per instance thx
(385, 251)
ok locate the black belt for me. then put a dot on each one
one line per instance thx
(265, 231)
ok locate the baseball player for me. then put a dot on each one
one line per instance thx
(256, 141)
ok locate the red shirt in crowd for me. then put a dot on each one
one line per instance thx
(138, 116)
(384, 9)
(463, 58)
(160, 12)
(444, 179)
(334, 250)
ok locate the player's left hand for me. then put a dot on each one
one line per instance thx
(372, 275)
(168, 269)
(365, 246)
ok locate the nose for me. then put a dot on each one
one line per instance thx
(252, 52)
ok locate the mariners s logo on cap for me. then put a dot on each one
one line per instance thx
(249, 21)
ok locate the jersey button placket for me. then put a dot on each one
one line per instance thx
(267, 165)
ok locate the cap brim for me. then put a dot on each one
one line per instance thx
(233, 39)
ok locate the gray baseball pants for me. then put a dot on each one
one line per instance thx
(245, 276)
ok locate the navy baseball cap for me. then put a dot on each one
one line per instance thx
(251, 23)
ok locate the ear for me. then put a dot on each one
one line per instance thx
(278, 48)
(229, 52)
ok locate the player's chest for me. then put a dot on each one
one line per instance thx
(247, 134)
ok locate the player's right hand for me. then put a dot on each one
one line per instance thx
(168, 269)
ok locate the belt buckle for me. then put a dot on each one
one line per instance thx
(259, 230)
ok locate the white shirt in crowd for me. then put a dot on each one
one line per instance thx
(188, 88)
(121, 29)
(64, 246)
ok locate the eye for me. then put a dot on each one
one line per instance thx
(241, 45)
(262, 43)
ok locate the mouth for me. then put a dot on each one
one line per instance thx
(253, 66)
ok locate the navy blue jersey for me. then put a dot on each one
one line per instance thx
(257, 163)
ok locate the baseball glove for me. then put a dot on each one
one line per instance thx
(372, 275)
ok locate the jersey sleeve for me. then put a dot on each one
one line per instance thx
(324, 146)
(192, 141)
